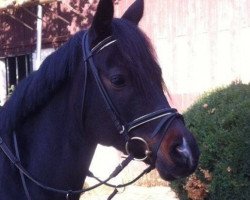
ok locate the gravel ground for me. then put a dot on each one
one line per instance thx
(133, 193)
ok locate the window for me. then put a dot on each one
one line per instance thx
(17, 68)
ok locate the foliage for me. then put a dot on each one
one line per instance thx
(220, 121)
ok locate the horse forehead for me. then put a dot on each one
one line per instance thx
(115, 60)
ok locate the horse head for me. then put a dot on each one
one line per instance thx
(128, 108)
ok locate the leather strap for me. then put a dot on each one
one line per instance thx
(25, 188)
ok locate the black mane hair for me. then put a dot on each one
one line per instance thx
(38, 88)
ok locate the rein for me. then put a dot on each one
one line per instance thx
(14, 159)
(165, 115)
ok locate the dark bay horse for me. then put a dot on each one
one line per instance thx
(103, 86)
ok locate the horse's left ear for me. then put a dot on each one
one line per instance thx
(135, 12)
(101, 25)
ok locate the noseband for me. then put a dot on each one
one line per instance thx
(165, 115)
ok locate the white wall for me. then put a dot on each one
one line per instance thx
(204, 44)
(201, 44)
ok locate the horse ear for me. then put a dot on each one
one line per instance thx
(135, 12)
(101, 25)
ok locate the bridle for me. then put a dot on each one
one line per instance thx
(165, 115)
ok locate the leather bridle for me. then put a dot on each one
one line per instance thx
(165, 115)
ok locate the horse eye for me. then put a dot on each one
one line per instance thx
(118, 81)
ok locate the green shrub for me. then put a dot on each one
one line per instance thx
(220, 121)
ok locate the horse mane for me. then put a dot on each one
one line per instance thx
(138, 50)
(38, 88)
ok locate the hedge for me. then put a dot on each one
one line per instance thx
(220, 121)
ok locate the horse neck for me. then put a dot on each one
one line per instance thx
(52, 145)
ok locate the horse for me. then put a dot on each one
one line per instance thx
(103, 86)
